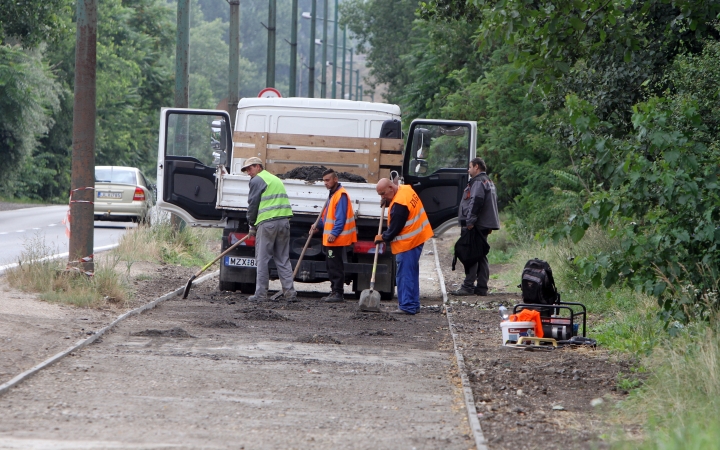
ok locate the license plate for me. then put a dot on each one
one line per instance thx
(234, 261)
(104, 194)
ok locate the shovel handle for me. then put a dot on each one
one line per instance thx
(302, 254)
(377, 250)
(229, 249)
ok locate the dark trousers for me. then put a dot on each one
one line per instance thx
(334, 259)
(479, 271)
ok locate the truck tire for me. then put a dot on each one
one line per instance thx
(227, 286)
(247, 288)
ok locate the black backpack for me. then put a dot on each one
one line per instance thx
(538, 285)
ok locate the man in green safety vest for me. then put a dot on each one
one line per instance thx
(269, 215)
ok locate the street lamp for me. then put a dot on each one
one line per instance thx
(309, 16)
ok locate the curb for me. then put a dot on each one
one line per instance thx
(4, 268)
(473, 421)
(85, 342)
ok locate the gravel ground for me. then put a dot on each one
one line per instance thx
(215, 371)
(529, 400)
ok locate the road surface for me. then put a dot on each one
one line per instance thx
(42, 228)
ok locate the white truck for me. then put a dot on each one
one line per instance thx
(199, 177)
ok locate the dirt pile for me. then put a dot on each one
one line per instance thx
(318, 339)
(220, 324)
(262, 314)
(314, 173)
(173, 332)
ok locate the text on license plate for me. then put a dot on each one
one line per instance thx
(239, 262)
(104, 194)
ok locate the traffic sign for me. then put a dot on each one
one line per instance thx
(269, 93)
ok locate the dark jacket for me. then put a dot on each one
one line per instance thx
(478, 206)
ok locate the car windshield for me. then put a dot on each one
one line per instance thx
(115, 175)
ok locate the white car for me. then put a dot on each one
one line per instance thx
(122, 193)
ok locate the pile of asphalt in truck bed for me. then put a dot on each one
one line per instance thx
(314, 173)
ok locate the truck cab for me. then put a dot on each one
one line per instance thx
(200, 154)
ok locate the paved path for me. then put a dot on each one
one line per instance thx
(324, 377)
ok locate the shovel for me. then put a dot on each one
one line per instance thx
(370, 298)
(189, 283)
(297, 266)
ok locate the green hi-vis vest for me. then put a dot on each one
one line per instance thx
(274, 202)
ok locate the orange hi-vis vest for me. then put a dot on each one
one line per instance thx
(417, 229)
(349, 232)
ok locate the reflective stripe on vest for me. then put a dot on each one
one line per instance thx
(349, 233)
(274, 202)
(417, 228)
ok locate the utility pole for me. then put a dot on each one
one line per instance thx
(182, 82)
(311, 65)
(350, 96)
(270, 77)
(234, 78)
(323, 76)
(293, 49)
(357, 85)
(82, 194)
(335, 46)
(342, 76)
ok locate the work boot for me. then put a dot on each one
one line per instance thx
(334, 297)
(481, 292)
(257, 298)
(400, 311)
(462, 291)
(291, 296)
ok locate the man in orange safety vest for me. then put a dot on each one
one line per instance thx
(408, 229)
(337, 222)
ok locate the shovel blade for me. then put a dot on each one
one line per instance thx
(369, 300)
(187, 287)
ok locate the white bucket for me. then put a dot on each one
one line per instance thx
(512, 331)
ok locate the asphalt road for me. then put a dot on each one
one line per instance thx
(42, 228)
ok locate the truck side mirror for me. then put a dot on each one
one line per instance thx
(421, 142)
(418, 166)
(219, 142)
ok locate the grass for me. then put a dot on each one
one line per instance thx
(110, 282)
(675, 388)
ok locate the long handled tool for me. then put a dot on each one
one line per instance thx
(297, 266)
(189, 283)
(370, 298)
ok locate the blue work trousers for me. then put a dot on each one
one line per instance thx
(408, 279)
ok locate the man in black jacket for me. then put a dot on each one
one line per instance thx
(478, 213)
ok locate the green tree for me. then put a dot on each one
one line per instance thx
(28, 96)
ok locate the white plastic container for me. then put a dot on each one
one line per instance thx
(512, 331)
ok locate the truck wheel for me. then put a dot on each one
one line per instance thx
(227, 286)
(247, 288)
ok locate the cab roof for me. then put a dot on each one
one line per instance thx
(318, 103)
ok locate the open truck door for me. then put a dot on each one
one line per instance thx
(194, 144)
(435, 164)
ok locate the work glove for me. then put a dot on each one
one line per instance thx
(253, 231)
(383, 202)
(379, 239)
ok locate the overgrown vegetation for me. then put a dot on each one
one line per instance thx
(37, 272)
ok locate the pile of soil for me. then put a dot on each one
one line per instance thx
(263, 314)
(318, 339)
(376, 333)
(220, 324)
(173, 332)
(315, 173)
